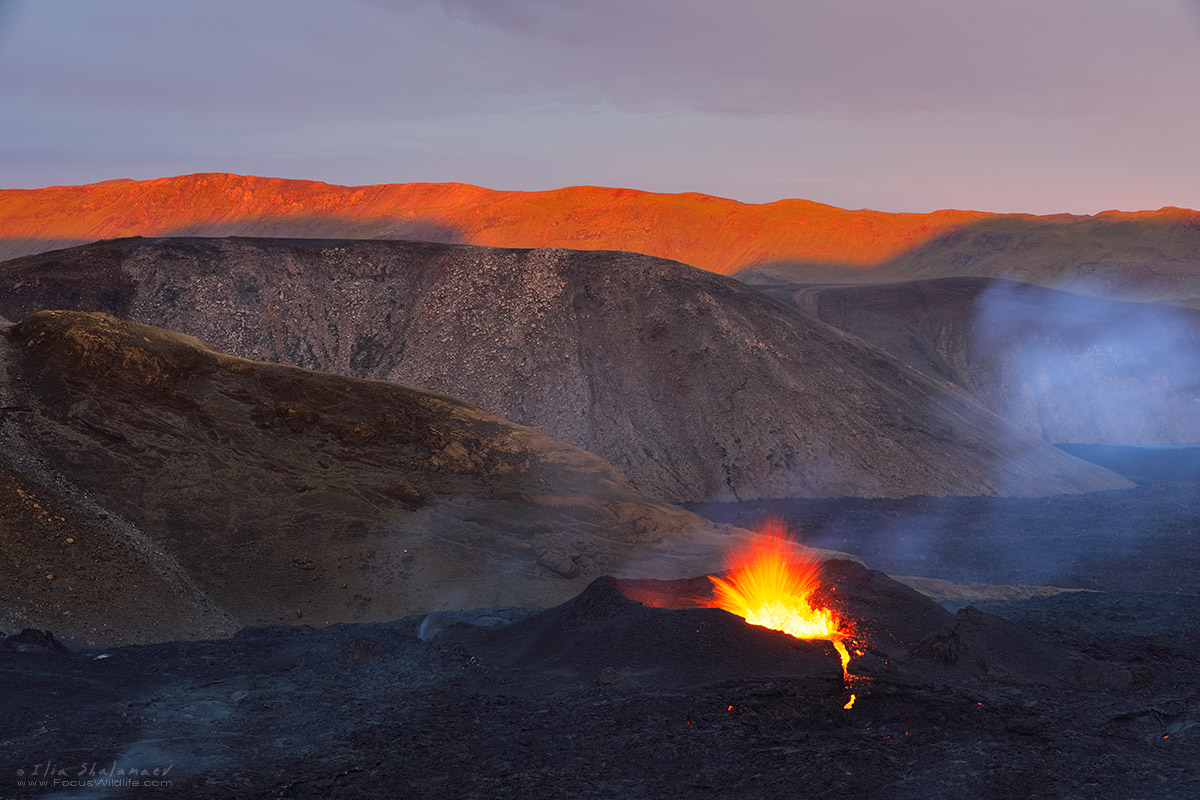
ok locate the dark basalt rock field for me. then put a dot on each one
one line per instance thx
(1074, 696)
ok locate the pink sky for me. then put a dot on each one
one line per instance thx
(1022, 105)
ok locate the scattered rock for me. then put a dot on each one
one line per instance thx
(560, 563)
(1097, 675)
(1027, 726)
(992, 648)
(608, 677)
(31, 640)
(364, 650)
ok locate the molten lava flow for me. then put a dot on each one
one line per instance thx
(771, 584)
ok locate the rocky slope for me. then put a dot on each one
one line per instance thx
(154, 489)
(1066, 367)
(1153, 254)
(694, 385)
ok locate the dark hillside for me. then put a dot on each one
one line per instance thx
(694, 385)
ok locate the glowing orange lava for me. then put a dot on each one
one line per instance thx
(771, 583)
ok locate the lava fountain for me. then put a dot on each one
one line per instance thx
(769, 582)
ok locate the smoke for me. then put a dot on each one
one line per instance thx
(1120, 380)
(1107, 541)
(1073, 368)
(1069, 368)
(165, 756)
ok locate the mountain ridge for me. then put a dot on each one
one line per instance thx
(713, 233)
(1149, 255)
(693, 384)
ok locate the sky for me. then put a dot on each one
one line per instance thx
(1039, 106)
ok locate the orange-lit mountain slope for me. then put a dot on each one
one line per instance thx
(709, 232)
(1146, 255)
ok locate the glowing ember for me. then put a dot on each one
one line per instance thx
(771, 584)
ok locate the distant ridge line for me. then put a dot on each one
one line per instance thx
(712, 233)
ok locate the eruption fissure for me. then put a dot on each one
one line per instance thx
(771, 583)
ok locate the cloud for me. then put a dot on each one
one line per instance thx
(886, 104)
(848, 57)
(858, 58)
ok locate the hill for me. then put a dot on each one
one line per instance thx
(1154, 254)
(153, 489)
(694, 385)
(709, 232)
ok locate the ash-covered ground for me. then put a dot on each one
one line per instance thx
(1075, 695)
(375, 711)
